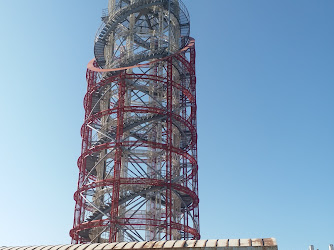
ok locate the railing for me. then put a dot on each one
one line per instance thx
(105, 13)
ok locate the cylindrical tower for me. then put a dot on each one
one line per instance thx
(138, 168)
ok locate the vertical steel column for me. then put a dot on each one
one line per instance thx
(185, 85)
(118, 159)
(194, 122)
(169, 154)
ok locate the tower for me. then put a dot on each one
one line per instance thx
(138, 172)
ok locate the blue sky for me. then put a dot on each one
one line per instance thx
(265, 117)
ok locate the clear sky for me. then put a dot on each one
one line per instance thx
(265, 71)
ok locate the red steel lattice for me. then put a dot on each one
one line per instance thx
(138, 172)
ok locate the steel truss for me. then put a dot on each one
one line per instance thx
(138, 172)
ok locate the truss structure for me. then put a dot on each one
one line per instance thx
(138, 169)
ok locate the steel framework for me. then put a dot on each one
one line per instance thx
(138, 168)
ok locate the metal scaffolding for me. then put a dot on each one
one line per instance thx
(138, 169)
